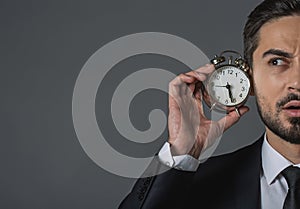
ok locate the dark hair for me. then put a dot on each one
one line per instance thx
(267, 11)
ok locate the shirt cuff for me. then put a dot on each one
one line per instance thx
(180, 162)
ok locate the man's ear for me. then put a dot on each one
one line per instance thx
(250, 74)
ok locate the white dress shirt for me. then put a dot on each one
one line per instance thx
(274, 187)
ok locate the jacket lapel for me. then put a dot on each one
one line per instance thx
(248, 179)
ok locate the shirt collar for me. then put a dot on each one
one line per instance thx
(272, 162)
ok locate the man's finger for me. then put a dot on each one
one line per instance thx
(207, 69)
(231, 118)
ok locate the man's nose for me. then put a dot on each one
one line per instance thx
(294, 80)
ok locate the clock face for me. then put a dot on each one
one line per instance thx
(228, 86)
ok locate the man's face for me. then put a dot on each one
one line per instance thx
(276, 77)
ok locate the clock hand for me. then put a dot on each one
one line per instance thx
(220, 86)
(229, 92)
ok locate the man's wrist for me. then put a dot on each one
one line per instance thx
(180, 162)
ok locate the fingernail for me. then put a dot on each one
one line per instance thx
(238, 112)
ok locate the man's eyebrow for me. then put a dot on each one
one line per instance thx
(277, 52)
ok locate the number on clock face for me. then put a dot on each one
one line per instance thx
(229, 86)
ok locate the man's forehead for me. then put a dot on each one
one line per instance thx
(282, 33)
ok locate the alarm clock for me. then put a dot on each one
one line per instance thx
(228, 86)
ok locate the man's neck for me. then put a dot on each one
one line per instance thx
(286, 149)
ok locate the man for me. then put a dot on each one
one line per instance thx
(263, 175)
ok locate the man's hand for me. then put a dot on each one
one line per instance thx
(190, 132)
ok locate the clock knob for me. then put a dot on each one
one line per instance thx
(242, 64)
(217, 60)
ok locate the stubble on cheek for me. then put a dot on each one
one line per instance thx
(287, 129)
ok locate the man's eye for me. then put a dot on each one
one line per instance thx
(277, 62)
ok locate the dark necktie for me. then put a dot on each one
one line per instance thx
(292, 176)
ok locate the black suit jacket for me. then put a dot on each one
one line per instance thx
(230, 181)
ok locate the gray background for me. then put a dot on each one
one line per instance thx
(44, 45)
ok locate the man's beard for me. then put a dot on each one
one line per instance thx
(272, 121)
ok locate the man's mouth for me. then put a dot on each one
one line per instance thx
(292, 108)
(295, 104)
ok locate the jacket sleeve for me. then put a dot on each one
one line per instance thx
(161, 187)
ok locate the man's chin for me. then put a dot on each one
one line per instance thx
(294, 121)
(288, 129)
(289, 122)
(291, 134)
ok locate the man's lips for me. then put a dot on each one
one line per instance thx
(292, 108)
(294, 104)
